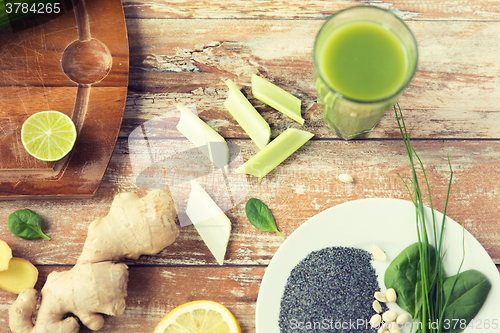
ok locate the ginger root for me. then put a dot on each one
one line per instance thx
(96, 284)
(21, 274)
(15, 273)
(5, 255)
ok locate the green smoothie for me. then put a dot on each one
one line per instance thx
(363, 61)
(364, 56)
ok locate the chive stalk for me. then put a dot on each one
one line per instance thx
(430, 294)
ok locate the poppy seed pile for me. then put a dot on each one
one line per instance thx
(331, 290)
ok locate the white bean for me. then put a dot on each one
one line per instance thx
(376, 306)
(390, 294)
(381, 297)
(389, 316)
(402, 318)
(382, 328)
(393, 327)
(345, 178)
(375, 321)
(378, 253)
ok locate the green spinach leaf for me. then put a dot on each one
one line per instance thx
(260, 216)
(403, 274)
(418, 276)
(26, 224)
(468, 295)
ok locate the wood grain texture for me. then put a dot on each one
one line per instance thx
(454, 91)
(304, 178)
(182, 51)
(155, 291)
(319, 9)
(52, 67)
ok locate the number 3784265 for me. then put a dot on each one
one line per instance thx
(473, 324)
(34, 8)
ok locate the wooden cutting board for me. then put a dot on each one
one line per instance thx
(77, 63)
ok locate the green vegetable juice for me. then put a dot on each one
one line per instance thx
(364, 57)
(363, 61)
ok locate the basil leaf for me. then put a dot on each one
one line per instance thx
(468, 295)
(26, 224)
(403, 274)
(260, 216)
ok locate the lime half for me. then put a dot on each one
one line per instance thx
(48, 135)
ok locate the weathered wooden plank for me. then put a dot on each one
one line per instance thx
(181, 51)
(304, 185)
(437, 122)
(154, 291)
(296, 9)
(454, 91)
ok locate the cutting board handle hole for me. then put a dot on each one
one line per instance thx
(87, 61)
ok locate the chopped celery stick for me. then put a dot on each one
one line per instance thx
(209, 220)
(275, 152)
(276, 98)
(205, 138)
(246, 115)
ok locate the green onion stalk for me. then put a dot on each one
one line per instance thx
(429, 298)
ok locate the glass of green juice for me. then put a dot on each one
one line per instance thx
(364, 57)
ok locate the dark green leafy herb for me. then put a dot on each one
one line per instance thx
(26, 224)
(417, 274)
(260, 216)
(403, 274)
(466, 296)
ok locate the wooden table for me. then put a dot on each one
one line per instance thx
(182, 51)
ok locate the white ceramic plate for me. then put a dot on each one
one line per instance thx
(388, 223)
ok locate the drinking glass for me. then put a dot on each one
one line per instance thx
(364, 57)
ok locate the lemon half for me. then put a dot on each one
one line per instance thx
(48, 135)
(199, 317)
